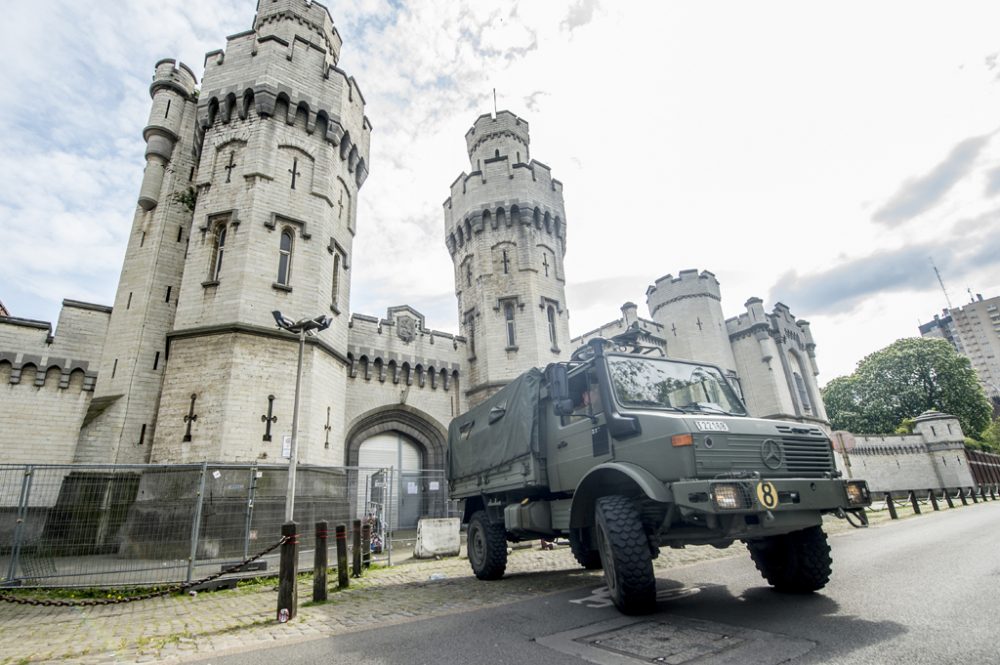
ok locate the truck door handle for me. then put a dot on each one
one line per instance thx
(562, 444)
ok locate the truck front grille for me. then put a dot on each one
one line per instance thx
(808, 457)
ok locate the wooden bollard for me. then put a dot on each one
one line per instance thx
(356, 541)
(366, 546)
(932, 495)
(343, 580)
(891, 505)
(947, 497)
(288, 596)
(914, 502)
(319, 562)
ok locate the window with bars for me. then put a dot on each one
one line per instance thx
(285, 257)
(218, 250)
(508, 315)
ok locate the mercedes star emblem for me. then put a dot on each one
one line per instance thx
(770, 452)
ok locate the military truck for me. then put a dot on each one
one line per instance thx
(623, 451)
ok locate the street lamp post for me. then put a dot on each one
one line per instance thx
(302, 328)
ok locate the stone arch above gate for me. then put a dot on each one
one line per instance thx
(414, 423)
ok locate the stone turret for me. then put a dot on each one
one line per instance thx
(121, 429)
(689, 308)
(506, 232)
(173, 85)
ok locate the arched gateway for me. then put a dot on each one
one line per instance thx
(412, 443)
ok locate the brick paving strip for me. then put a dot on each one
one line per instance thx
(178, 628)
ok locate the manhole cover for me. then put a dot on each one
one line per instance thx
(675, 641)
(664, 643)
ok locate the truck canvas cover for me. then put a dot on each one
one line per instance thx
(499, 431)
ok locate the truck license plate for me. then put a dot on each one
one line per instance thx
(711, 425)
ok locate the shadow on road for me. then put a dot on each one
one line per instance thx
(814, 617)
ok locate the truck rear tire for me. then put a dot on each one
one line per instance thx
(586, 557)
(797, 562)
(487, 547)
(625, 555)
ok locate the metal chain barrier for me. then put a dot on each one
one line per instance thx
(178, 588)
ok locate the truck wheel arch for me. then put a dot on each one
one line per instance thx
(613, 478)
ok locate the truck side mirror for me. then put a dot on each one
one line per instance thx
(558, 381)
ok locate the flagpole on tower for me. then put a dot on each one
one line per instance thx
(494, 101)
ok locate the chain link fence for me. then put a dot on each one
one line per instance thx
(142, 525)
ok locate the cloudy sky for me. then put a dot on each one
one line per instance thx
(814, 153)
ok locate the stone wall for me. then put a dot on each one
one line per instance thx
(47, 382)
(933, 456)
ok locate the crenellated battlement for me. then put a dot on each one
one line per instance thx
(289, 75)
(527, 194)
(687, 284)
(175, 75)
(302, 18)
(399, 349)
(504, 135)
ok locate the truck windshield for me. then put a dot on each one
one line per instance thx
(667, 384)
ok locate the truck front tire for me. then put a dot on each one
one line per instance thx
(797, 562)
(624, 552)
(487, 547)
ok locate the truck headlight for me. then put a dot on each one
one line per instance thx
(857, 493)
(728, 496)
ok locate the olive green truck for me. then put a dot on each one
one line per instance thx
(623, 452)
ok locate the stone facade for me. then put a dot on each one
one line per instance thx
(933, 457)
(771, 358)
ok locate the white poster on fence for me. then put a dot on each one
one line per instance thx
(286, 446)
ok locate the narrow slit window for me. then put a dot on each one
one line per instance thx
(169, 289)
(336, 278)
(218, 250)
(128, 305)
(551, 312)
(142, 434)
(156, 360)
(166, 113)
(114, 368)
(285, 257)
(508, 315)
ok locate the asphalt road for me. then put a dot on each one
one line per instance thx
(923, 590)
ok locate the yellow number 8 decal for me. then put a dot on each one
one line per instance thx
(767, 495)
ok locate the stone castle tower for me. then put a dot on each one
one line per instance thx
(689, 307)
(505, 228)
(247, 206)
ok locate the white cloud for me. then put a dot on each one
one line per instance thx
(751, 140)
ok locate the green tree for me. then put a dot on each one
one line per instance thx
(902, 381)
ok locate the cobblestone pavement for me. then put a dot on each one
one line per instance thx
(178, 628)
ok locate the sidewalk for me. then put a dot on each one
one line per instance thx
(179, 628)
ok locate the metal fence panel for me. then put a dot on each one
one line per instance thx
(140, 525)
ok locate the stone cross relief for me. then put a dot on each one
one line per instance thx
(294, 170)
(699, 323)
(506, 263)
(230, 166)
(268, 418)
(190, 417)
(340, 214)
(673, 329)
(545, 262)
(326, 442)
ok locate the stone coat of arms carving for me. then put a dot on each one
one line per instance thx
(406, 328)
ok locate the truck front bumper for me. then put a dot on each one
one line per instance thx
(743, 496)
